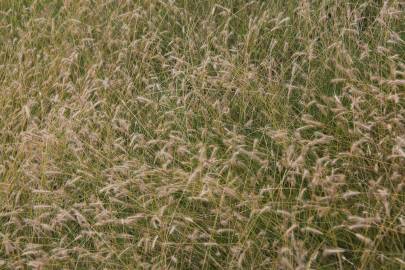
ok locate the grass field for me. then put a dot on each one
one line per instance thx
(202, 134)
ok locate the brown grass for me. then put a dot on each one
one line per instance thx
(202, 134)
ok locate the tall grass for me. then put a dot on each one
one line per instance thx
(202, 134)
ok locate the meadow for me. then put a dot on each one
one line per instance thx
(202, 134)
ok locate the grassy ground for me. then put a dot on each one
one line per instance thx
(202, 134)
